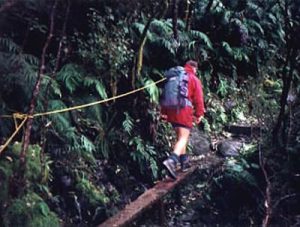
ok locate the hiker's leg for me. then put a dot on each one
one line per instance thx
(179, 149)
(182, 140)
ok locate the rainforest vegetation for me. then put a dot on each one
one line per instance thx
(65, 166)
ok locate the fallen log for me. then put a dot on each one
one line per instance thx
(145, 201)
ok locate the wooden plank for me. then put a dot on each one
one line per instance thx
(146, 200)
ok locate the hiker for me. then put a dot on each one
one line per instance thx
(182, 119)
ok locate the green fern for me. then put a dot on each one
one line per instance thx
(24, 66)
(252, 24)
(202, 37)
(160, 34)
(55, 89)
(161, 28)
(153, 90)
(72, 76)
(237, 53)
(139, 27)
(9, 46)
(168, 45)
(86, 144)
(143, 154)
(88, 82)
(128, 123)
(107, 135)
(61, 123)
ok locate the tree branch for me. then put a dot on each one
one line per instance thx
(287, 76)
(138, 60)
(284, 198)
(58, 57)
(42, 68)
(268, 197)
(175, 18)
(189, 14)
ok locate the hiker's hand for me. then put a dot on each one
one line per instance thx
(198, 119)
(164, 117)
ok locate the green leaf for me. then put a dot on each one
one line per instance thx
(87, 144)
(71, 75)
(227, 48)
(44, 209)
(203, 37)
(254, 166)
(152, 90)
(128, 124)
(255, 25)
(100, 88)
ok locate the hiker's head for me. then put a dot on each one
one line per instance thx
(193, 64)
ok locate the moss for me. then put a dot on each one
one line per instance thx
(33, 161)
(5, 173)
(94, 195)
(22, 210)
(29, 211)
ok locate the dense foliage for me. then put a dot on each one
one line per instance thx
(79, 166)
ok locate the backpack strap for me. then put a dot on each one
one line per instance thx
(184, 86)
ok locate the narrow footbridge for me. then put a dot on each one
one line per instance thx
(145, 201)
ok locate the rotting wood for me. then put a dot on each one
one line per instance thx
(126, 216)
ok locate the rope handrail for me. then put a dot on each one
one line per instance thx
(24, 117)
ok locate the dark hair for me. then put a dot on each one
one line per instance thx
(192, 63)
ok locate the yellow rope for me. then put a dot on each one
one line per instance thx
(13, 135)
(26, 116)
(97, 102)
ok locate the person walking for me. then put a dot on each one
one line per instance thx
(182, 120)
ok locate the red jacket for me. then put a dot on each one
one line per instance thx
(185, 115)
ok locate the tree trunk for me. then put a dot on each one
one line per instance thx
(175, 18)
(28, 127)
(138, 60)
(58, 57)
(189, 14)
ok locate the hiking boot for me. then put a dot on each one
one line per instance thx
(170, 165)
(184, 162)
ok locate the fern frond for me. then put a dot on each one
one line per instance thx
(89, 81)
(9, 46)
(153, 91)
(139, 27)
(60, 121)
(227, 48)
(23, 66)
(168, 45)
(252, 24)
(127, 123)
(53, 86)
(236, 53)
(71, 76)
(203, 37)
(181, 24)
(161, 27)
(31, 60)
(272, 18)
(86, 144)
(101, 90)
